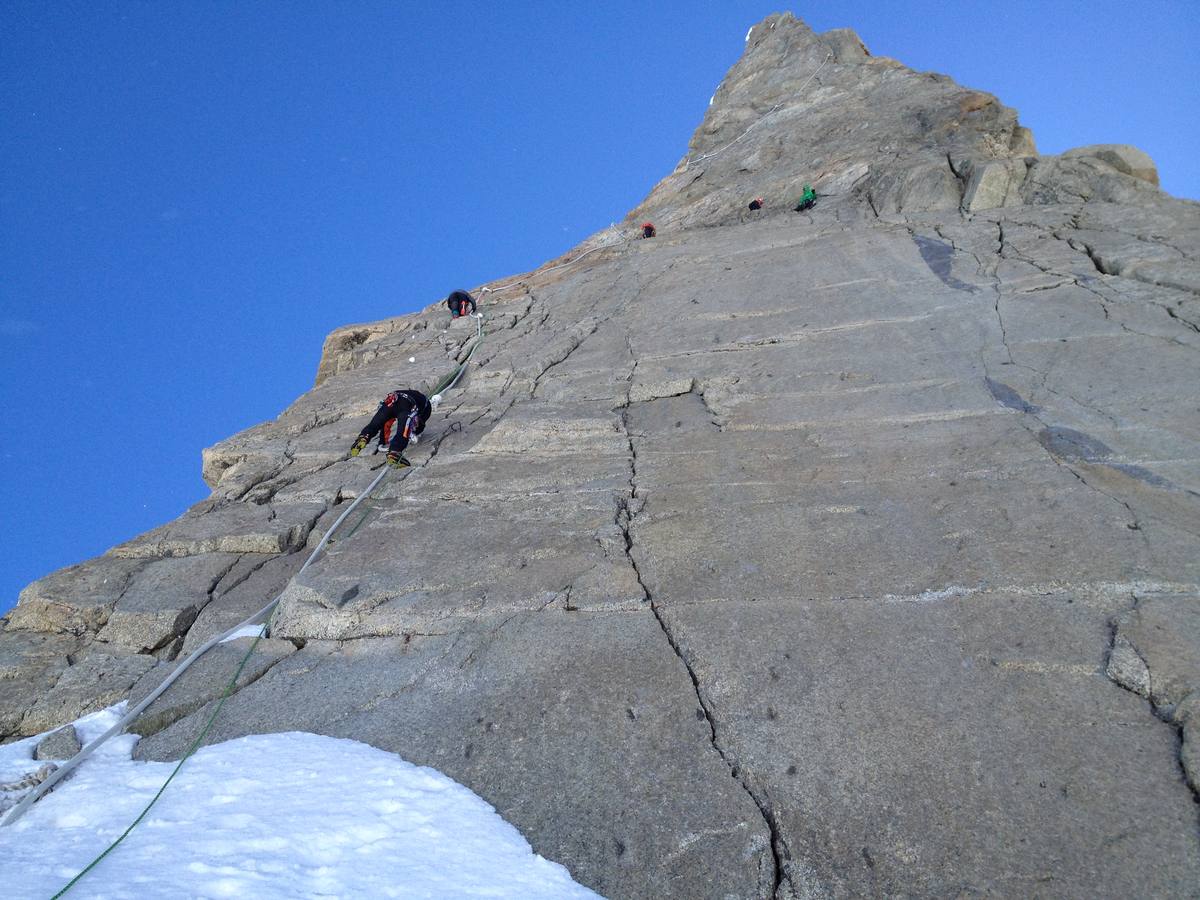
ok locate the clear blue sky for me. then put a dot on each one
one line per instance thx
(193, 194)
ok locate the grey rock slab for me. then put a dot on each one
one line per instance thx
(467, 477)
(1123, 158)
(810, 537)
(552, 431)
(993, 183)
(912, 748)
(77, 599)
(205, 681)
(243, 593)
(30, 664)
(1156, 653)
(91, 684)
(163, 600)
(61, 744)
(226, 528)
(404, 571)
(582, 730)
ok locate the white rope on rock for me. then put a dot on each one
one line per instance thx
(687, 163)
(259, 618)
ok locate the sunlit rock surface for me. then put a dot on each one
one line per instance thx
(853, 552)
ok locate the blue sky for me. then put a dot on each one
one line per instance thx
(193, 194)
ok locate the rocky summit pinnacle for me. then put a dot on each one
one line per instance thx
(852, 551)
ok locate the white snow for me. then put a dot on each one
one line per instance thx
(749, 31)
(245, 631)
(267, 816)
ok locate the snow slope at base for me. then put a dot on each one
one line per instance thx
(267, 816)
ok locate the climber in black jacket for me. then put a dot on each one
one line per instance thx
(459, 301)
(404, 411)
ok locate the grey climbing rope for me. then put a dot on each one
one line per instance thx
(264, 614)
(259, 617)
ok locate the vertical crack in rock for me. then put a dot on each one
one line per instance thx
(573, 340)
(626, 510)
(1128, 668)
(1034, 412)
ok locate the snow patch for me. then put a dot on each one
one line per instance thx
(268, 816)
(245, 631)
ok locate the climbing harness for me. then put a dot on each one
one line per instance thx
(769, 113)
(447, 383)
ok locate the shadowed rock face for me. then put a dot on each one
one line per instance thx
(853, 552)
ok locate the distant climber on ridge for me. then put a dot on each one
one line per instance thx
(461, 304)
(808, 199)
(756, 203)
(404, 411)
(648, 230)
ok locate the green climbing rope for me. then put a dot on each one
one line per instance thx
(179, 765)
(445, 384)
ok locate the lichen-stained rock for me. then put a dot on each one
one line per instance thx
(1123, 158)
(91, 684)
(800, 107)
(774, 558)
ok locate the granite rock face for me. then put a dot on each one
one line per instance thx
(853, 552)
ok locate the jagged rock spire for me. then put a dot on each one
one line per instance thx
(777, 559)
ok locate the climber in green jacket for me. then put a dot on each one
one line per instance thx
(808, 199)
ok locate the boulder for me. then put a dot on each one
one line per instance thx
(1123, 158)
(61, 744)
